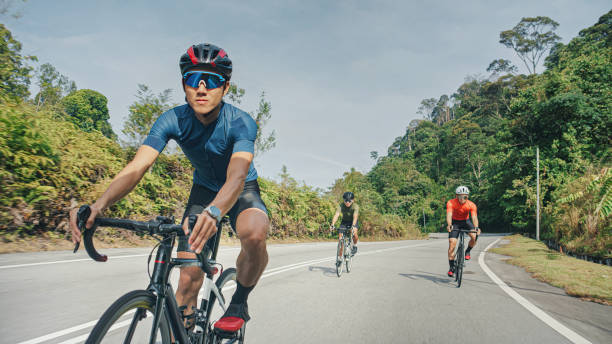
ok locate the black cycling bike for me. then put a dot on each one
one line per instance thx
(345, 249)
(460, 255)
(152, 315)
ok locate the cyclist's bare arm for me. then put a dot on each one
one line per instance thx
(206, 226)
(121, 185)
(355, 217)
(475, 221)
(336, 216)
(449, 221)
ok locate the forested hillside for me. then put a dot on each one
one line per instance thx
(485, 136)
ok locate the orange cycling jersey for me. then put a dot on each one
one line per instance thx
(461, 211)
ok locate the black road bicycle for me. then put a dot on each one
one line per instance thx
(152, 315)
(344, 253)
(460, 255)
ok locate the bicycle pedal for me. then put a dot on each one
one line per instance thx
(225, 334)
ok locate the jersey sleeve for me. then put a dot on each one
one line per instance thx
(244, 133)
(449, 206)
(165, 128)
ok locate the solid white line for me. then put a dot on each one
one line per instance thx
(69, 261)
(110, 258)
(540, 314)
(266, 274)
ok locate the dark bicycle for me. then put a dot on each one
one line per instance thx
(344, 251)
(460, 255)
(152, 315)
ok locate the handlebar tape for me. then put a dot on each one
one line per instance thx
(82, 216)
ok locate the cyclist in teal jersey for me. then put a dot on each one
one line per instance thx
(218, 139)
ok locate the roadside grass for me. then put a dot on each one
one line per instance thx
(577, 277)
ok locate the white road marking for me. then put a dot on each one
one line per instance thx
(267, 273)
(540, 314)
(110, 258)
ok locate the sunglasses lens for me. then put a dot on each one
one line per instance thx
(211, 81)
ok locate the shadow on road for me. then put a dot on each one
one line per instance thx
(327, 271)
(437, 279)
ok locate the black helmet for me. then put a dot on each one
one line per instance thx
(348, 196)
(209, 56)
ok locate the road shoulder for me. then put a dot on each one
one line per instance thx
(591, 320)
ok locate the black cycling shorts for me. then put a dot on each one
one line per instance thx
(200, 197)
(349, 225)
(462, 224)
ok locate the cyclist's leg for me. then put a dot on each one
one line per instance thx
(452, 243)
(191, 278)
(249, 217)
(472, 242)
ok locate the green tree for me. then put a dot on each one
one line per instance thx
(530, 40)
(262, 116)
(52, 86)
(144, 112)
(88, 110)
(500, 66)
(14, 71)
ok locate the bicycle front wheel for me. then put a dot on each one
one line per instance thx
(459, 263)
(339, 258)
(130, 320)
(348, 254)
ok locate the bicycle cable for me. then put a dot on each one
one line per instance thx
(160, 241)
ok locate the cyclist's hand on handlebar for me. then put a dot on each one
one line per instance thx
(76, 232)
(331, 227)
(449, 228)
(205, 227)
(478, 229)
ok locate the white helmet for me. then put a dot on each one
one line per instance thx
(462, 190)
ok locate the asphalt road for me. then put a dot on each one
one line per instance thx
(397, 292)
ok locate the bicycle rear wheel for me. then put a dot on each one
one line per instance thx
(339, 257)
(129, 320)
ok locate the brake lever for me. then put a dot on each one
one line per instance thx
(82, 216)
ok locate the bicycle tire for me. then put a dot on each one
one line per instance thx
(140, 300)
(339, 258)
(348, 254)
(459, 266)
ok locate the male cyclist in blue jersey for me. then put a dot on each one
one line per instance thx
(218, 139)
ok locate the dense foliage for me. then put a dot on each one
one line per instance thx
(485, 136)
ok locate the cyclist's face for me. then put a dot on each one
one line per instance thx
(203, 100)
(348, 203)
(462, 198)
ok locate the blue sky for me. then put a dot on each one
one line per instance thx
(344, 77)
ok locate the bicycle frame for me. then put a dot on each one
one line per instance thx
(166, 302)
(346, 232)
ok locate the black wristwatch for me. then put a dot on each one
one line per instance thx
(214, 212)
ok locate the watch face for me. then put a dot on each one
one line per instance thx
(214, 211)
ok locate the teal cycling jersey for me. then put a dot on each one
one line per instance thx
(208, 147)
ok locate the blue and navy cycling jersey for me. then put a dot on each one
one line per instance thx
(208, 147)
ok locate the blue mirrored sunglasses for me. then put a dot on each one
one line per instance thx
(211, 80)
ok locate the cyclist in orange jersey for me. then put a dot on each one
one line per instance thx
(458, 211)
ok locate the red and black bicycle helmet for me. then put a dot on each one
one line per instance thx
(209, 56)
